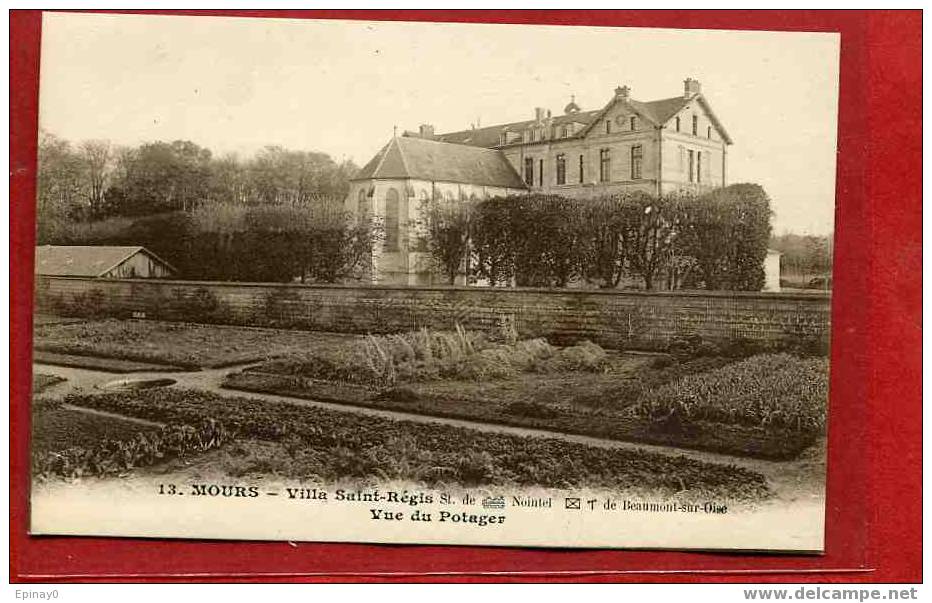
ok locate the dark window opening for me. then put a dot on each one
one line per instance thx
(636, 160)
(561, 169)
(605, 165)
(529, 171)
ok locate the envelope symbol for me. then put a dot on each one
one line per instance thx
(572, 503)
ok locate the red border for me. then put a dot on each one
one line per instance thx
(874, 517)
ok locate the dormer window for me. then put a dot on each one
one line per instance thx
(608, 126)
(634, 123)
(695, 125)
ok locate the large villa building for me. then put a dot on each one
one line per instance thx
(659, 146)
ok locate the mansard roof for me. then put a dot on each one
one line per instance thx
(422, 159)
(490, 136)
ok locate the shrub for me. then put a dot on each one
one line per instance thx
(87, 304)
(424, 355)
(585, 356)
(200, 306)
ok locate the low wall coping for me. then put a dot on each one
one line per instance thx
(813, 296)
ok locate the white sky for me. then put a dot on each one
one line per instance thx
(234, 84)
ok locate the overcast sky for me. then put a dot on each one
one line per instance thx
(234, 84)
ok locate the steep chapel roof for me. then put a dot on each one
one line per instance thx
(422, 159)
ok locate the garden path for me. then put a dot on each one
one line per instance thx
(800, 479)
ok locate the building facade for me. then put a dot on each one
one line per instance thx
(658, 147)
(407, 173)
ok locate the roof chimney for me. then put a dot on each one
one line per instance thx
(539, 113)
(691, 87)
(426, 131)
(623, 92)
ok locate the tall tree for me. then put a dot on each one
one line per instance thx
(493, 243)
(650, 231)
(446, 225)
(749, 219)
(96, 155)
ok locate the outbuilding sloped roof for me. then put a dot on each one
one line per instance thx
(85, 260)
(422, 159)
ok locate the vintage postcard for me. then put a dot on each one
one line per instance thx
(413, 282)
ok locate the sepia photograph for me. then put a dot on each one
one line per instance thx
(433, 283)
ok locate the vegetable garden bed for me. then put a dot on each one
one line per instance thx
(769, 406)
(180, 344)
(330, 445)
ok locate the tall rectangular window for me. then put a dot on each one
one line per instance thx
(637, 156)
(692, 165)
(605, 165)
(392, 221)
(582, 170)
(541, 175)
(608, 126)
(677, 124)
(695, 125)
(529, 171)
(561, 169)
(708, 131)
(634, 123)
(698, 166)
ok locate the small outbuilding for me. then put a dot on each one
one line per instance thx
(772, 270)
(99, 261)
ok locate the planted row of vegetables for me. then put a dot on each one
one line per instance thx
(344, 444)
(769, 390)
